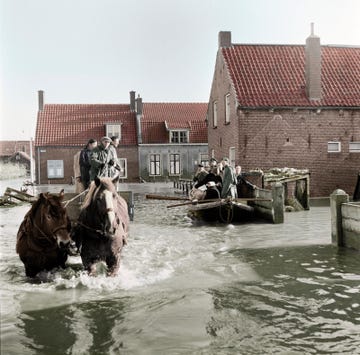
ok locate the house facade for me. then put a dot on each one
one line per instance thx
(157, 141)
(64, 129)
(288, 106)
(173, 140)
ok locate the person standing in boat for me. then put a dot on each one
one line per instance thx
(228, 180)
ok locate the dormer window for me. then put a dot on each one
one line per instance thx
(113, 130)
(179, 137)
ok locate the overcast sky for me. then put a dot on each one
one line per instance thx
(96, 51)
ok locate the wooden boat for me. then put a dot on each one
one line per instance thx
(226, 210)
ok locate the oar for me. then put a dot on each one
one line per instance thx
(168, 198)
(194, 202)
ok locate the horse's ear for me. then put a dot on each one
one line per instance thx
(42, 196)
(97, 181)
(116, 179)
(61, 194)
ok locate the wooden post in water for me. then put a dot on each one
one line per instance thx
(337, 198)
(278, 202)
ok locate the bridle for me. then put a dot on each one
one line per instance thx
(100, 232)
(52, 233)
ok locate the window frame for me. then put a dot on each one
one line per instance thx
(215, 114)
(354, 150)
(123, 164)
(180, 134)
(151, 162)
(113, 132)
(227, 108)
(56, 164)
(333, 143)
(174, 164)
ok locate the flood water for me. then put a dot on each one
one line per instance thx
(188, 288)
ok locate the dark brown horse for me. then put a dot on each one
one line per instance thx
(102, 226)
(44, 235)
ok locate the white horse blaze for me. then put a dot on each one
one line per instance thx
(110, 206)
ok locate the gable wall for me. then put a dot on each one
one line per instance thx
(287, 138)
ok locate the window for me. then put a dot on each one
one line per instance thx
(154, 164)
(55, 169)
(123, 164)
(179, 137)
(354, 147)
(227, 108)
(334, 147)
(113, 130)
(215, 114)
(174, 164)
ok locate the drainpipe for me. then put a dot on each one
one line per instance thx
(38, 165)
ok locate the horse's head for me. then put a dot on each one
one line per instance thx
(104, 205)
(50, 219)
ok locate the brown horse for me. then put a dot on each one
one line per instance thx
(102, 227)
(44, 235)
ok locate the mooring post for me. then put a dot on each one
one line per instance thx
(337, 198)
(278, 202)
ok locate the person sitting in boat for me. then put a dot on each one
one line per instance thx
(200, 174)
(229, 180)
(211, 176)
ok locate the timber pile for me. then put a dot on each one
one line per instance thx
(11, 194)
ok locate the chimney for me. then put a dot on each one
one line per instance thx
(139, 114)
(139, 105)
(41, 99)
(132, 100)
(224, 39)
(313, 66)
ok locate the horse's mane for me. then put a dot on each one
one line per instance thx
(105, 183)
(52, 199)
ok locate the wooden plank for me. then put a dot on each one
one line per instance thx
(19, 195)
(167, 198)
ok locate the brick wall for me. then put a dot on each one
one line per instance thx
(287, 138)
(42, 155)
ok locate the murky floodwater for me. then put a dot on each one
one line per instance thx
(189, 289)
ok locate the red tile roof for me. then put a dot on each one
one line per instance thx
(73, 124)
(187, 116)
(274, 75)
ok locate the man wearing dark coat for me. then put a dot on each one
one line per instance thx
(84, 162)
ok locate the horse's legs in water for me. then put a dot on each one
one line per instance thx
(113, 264)
(91, 268)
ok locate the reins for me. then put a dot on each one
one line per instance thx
(74, 198)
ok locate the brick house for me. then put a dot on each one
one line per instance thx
(288, 106)
(20, 152)
(64, 129)
(173, 140)
(145, 131)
